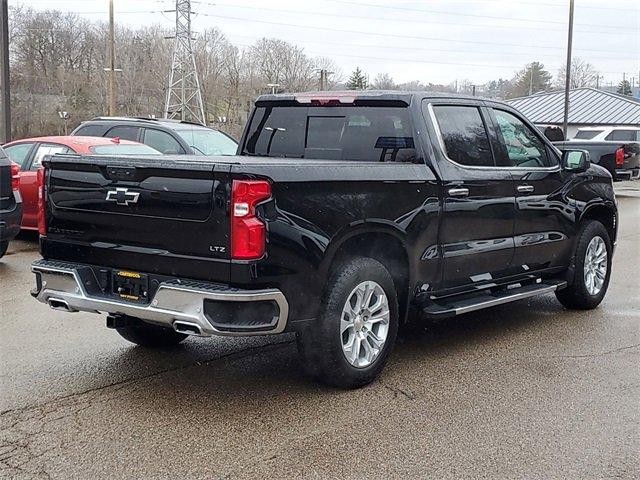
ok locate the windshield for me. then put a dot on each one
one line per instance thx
(124, 149)
(208, 142)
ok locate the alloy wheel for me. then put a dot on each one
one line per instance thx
(595, 265)
(364, 324)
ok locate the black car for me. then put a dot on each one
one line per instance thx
(166, 136)
(343, 213)
(10, 201)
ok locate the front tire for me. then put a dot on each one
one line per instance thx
(151, 336)
(3, 248)
(349, 344)
(591, 265)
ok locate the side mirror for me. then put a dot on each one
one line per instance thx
(576, 160)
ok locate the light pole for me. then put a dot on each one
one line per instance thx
(112, 64)
(5, 97)
(567, 82)
(64, 116)
(274, 87)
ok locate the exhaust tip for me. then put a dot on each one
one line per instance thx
(58, 304)
(188, 328)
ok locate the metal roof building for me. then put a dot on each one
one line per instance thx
(587, 107)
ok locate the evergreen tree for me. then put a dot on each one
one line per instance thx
(532, 78)
(357, 80)
(624, 88)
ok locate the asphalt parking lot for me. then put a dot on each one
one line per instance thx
(527, 390)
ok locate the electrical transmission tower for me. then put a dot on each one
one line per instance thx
(184, 98)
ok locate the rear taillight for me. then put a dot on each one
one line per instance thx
(620, 156)
(15, 177)
(42, 225)
(248, 232)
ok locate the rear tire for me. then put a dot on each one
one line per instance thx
(349, 344)
(3, 248)
(591, 264)
(151, 336)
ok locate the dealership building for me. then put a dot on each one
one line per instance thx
(588, 107)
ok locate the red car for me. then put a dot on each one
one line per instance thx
(29, 152)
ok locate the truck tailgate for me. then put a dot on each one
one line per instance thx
(157, 214)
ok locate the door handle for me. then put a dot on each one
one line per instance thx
(458, 192)
(525, 188)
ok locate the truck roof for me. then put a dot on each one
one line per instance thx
(349, 96)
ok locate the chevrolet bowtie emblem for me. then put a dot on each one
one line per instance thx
(122, 196)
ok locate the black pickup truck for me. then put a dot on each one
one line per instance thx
(341, 214)
(622, 160)
(10, 201)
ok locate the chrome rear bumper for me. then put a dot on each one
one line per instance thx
(632, 173)
(175, 304)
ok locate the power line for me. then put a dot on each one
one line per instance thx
(422, 22)
(414, 60)
(556, 5)
(105, 12)
(386, 35)
(430, 50)
(459, 14)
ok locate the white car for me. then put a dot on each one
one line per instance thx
(614, 134)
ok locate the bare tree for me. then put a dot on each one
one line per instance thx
(383, 81)
(583, 74)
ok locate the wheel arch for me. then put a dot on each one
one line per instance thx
(382, 241)
(606, 214)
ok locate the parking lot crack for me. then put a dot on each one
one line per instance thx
(397, 391)
(130, 381)
(600, 354)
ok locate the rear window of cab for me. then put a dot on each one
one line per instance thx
(377, 134)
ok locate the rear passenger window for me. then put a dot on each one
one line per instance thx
(464, 135)
(587, 134)
(19, 153)
(623, 135)
(124, 132)
(162, 141)
(45, 149)
(91, 131)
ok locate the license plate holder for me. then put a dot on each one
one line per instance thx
(131, 286)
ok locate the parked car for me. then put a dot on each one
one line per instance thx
(29, 152)
(10, 202)
(166, 136)
(615, 148)
(344, 212)
(609, 134)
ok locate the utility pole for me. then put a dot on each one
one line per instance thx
(5, 109)
(184, 97)
(112, 63)
(568, 72)
(530, 80)
(324, 79)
